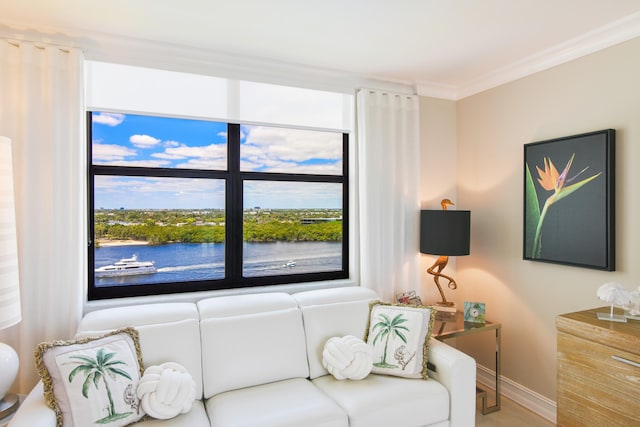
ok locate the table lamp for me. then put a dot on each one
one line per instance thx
(10, 313)
(444, 233)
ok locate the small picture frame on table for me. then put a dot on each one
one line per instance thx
(409, 298)
(474, 312)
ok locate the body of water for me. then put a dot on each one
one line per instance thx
(179, 262)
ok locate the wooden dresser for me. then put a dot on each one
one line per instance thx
(598, 370)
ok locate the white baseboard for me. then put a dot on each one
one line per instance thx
(529, 399)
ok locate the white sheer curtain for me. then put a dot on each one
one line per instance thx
(389, 200)
(41, 96)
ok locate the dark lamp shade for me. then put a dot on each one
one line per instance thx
(445, 232)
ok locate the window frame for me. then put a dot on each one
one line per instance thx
(234, 179)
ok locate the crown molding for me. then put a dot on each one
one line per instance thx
(174, 57)
(604, 37)
(143, 53)
(436, 90)
(138, 52)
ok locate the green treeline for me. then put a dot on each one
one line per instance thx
(208, 226)
(290, 232)
(157, 235)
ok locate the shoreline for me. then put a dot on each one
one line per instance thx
(107, 242)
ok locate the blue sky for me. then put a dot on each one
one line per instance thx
(132, 140)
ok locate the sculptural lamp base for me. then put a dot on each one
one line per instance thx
(8, 371)
(612, 317)
(446, 304)
(445, 310)
(8, 405)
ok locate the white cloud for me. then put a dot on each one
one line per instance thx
(210, 164)
(291, 144)
(269, 194)
(110, 152)
(284, 150)
(332, 168)
(109, 119)
(167, 156)
(158, 193)
(169, 144)
(213, 151)
(140, 163)
(144, 141)
(158, 185)
(248, 165)
(320, 169)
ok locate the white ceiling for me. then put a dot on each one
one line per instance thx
(451, 48)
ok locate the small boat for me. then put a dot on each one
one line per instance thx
(290, 264)
(126, 267)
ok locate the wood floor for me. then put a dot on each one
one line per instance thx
(511, 415)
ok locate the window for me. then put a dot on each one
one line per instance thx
(179, 205)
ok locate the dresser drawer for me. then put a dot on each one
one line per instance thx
(597, 385)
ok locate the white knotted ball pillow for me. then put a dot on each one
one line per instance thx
(347, 358)
(166, 390)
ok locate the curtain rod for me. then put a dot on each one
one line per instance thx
(384, 92)
(38, 45)
(41, 40)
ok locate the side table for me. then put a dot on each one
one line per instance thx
(445, 328)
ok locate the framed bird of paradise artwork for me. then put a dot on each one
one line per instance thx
(569, 210)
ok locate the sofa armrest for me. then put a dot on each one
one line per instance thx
(33, 411)
(457, 372)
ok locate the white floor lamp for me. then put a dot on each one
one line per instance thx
(10, 313)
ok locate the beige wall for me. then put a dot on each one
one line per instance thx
(438, 171)
(596, 92)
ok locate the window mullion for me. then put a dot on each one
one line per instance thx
(234, 210)
(345, 202)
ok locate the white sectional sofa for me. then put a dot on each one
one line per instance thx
(257, 361)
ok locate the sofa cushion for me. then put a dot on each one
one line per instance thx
(383, 401)
(400, 337)
(248, 340)
(331, 313)
(34, 412)
(289, 403)
(138, 315)
(334, 295)
(196, 417)
(92, 381)
(168, 332)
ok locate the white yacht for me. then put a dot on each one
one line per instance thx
(126, 267)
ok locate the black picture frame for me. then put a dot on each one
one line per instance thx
(569, 200)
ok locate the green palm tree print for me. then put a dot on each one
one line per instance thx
(387, 328)
(94, 371)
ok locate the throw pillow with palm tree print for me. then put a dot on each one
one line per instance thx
(400, 337)
(92, 381)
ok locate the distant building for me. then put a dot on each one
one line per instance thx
(307, 221)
